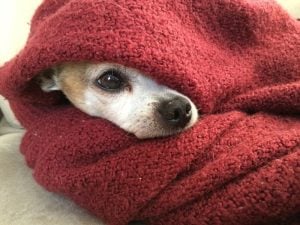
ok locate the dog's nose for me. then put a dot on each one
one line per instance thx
(176, 112)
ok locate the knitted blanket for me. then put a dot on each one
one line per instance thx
(239, 62)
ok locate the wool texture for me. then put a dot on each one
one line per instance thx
(239, 62)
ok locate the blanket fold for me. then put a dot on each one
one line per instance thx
(238, 60)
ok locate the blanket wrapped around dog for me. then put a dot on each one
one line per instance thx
(238, 60)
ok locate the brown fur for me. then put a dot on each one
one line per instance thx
(73, 81)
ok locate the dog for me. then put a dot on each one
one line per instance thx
(124, 96)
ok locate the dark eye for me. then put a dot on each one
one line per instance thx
(110, 80)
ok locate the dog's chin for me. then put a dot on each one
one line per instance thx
(159, 132)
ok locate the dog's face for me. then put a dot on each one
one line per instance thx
(124, 96)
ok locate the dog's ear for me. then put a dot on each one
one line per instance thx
(48, 80)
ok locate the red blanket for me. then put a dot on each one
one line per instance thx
(238, 60)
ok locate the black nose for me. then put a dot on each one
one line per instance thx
(176, 112)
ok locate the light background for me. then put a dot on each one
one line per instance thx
(15, 18)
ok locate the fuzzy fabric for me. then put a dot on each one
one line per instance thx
(238, 60)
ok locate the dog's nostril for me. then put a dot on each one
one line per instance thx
(176, 112)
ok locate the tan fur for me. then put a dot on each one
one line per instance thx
(73, 81)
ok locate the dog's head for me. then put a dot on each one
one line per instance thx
(124, 96)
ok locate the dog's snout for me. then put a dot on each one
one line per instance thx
(176, 112)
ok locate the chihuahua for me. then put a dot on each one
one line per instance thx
(122, 95)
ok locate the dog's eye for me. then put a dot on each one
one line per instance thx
(110, 80)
